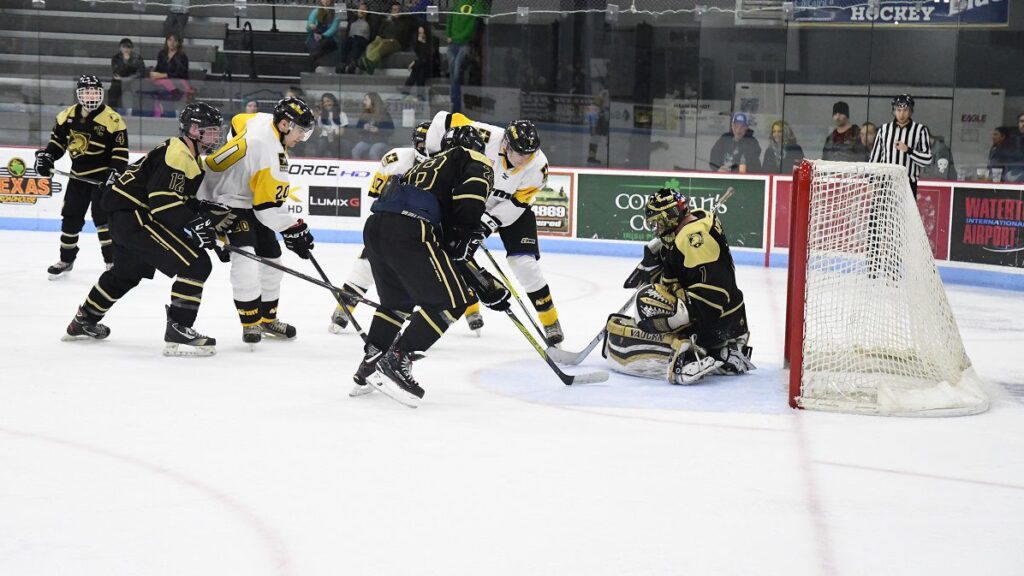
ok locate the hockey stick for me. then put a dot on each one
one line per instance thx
(571, 358)
(515, 295)
(337, 296)
(567, 379)
(574, 358)
(357, 297)
(79, 178)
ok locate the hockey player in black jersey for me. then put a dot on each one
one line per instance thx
(156, 223)
(96, 139)
(690, 317)
(420, 243)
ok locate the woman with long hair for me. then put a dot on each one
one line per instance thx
(375, 128)
(169, 78)
(322, 26)
(783, 152)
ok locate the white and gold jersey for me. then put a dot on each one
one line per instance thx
(251, 171)
(515, 187)
(395, 163)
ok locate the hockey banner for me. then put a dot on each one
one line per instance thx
(988, 226)
(913, 12)
(610, 206)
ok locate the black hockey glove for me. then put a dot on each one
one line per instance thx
(111, 178)
(465, 249)
(221, 215)
(203, 231)
(44, 164)
(488, 289)
(648, 267)
(298, 239)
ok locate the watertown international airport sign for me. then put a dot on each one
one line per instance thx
(913, 12)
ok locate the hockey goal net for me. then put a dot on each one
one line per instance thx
(869, 329)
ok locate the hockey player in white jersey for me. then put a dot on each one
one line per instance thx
(250, 174)
(520, 172)
(396, 162)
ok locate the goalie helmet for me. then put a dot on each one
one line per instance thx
(419, 137)
(296, 111)
(522, 137)
(664, 212)
(463, 136)
(903, 101)
(209, 122)
(89, 92)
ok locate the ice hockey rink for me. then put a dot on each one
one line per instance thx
(115, 460)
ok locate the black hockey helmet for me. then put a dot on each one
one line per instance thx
(419, 137)
(296, 111)
(663, 212)
(522, 137)
(89, 92)
(465, 137)
(208, 120)
(903, 100)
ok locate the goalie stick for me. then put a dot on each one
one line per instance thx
(574, 358)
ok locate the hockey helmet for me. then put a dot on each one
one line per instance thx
(298, 113)
(463, 136)
(903, 101)
(89, 92)
(419, 137)
(522, 137)
(208, 120)
(664, 212)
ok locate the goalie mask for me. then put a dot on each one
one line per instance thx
(207, 122)
(664, 212)
(89, 92)
(298, 113)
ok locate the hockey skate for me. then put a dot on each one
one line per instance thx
(475, 321)
(367, 367)
(689, 364)
(185, 341)
(339, 321)
(82, 328)
(393, 378)
(59, 269)
(252, 335)
(553, 333)
(278, 329)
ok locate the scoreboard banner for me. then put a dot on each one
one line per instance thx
(913, 12)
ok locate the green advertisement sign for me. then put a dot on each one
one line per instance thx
(611, 206)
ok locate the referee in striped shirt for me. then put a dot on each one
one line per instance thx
(903, 141)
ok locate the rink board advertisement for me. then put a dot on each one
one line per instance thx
(988, 226)
(611, 206)
(553, 205)
(914, 12)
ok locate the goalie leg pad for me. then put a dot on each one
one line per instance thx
(659, 311)
(633, 351)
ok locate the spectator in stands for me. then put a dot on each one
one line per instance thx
(322, 27)
(462, 34)
(126, 67)
(169, 78)
(736, 150)
(395, 34)
(843, 144)
(251, 106)
(177, 19)
(375, 126)
(331, 123)
(295, 92)
(783, 153)
(1002, 152)
(418, 10)
(1015, 169)
(420, 68)
(942, 168)
(355, 42)
(868, 132)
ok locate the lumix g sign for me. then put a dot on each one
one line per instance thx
(332, 201)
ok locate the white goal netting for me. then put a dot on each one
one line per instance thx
(879, 336)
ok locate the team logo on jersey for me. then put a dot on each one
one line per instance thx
(696, 239)
(99, 129)
(282, 160)
(78, 143)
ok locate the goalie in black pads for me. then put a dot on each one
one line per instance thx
(690, 319)
(419, 243)
(156, 223)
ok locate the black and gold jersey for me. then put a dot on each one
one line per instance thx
(699, 263)
(461, 180)
(96, 142)
(162, 184)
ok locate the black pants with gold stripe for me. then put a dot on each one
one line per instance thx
(411, 270)
(77, 198)
(141, 247)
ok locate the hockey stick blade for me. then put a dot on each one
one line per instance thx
(567, 379)
(573, 358)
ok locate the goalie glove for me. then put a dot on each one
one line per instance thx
(648, 268)
(221, 215)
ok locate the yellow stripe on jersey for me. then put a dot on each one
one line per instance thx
(267, 190)
(179, 157)
(228, 154)
(377, 184)
(238, 122)
(457, 119)
(526, 195)
(469, 197)
(479, 157)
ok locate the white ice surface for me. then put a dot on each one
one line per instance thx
(117, 461)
